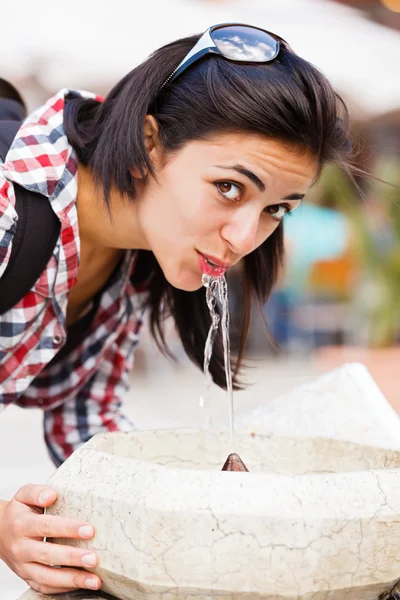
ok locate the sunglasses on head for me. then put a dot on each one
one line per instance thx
(235, 42)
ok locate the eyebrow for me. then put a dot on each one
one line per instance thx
(294, 197)
(256, 180)
(247, 173)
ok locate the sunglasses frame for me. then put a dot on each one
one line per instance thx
(206, 45)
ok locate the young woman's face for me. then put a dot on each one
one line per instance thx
(215, 201)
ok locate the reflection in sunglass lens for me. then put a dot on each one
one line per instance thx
(243, 43)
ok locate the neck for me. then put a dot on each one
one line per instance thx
(102, 228)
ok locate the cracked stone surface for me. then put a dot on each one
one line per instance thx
(344, 404)
(316, 518)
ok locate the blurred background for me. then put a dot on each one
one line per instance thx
(338, 296)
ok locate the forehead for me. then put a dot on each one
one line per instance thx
(268, 158)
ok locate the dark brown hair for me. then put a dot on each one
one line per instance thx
(287, 99)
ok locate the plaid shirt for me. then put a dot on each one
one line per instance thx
(80, 394)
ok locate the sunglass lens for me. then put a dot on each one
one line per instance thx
(243, 43)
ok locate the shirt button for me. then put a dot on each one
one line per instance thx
(57, 339)
(40, 401)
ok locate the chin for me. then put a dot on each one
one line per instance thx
(185, 281)
(192, 288)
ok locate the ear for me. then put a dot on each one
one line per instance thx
(152, 144)
(151, 135)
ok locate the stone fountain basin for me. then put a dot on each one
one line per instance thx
(314, 518)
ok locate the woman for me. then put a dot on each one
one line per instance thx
(172, 176)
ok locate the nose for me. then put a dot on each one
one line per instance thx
(240, 232)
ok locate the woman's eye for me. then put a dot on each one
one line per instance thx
(229, 190)
(278, 211)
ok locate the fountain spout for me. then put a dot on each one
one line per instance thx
(234, 463)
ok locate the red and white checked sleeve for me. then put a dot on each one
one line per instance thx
(94, 408)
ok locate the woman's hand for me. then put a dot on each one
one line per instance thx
(22, 529)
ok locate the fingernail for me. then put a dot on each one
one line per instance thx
(92, 583)
(45, 496)
(86, 531)
(89, 560)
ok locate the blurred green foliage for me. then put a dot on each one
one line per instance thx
(374, 216)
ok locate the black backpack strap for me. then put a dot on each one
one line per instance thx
(11, 110)
(8, 92)
(8, 129)
(38, 229)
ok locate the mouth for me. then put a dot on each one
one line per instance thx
(212, 266)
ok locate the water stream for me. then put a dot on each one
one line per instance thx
(217, 288)
(210, 284)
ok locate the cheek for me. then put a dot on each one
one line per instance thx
(160, 212)
(195, 211)
(179, 212)
(265, 230)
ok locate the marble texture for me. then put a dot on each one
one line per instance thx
(344, 404)
(316, 518)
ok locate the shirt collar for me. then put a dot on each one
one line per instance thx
(41, 158)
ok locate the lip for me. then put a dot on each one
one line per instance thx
(208, 269)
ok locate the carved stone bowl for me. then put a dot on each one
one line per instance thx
(314, 519)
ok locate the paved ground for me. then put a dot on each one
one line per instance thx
(162, 395)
